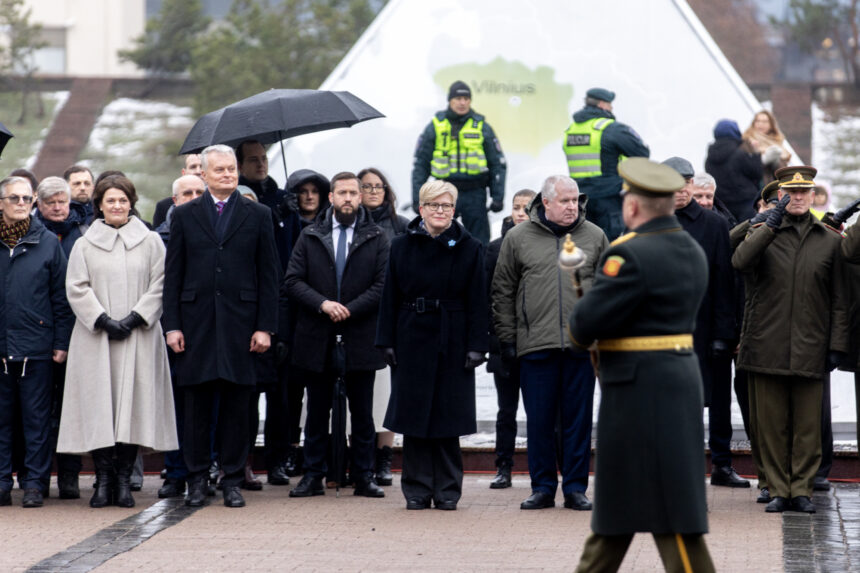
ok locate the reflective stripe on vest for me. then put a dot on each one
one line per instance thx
(463, 155)
(582, 147)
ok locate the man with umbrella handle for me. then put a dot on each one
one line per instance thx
(335, 280)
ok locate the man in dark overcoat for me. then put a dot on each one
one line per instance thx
(335, 279)
(220, 307)
(642, 311)
(715, 336)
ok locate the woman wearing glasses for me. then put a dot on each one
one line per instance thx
(433, 330)
(381, 202)
(117, 396)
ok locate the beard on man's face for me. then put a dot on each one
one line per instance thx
(345, 218)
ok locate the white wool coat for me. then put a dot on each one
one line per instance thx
(117, 390)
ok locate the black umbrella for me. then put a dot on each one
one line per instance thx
(338, 415)
(5, 136)
(276, 115)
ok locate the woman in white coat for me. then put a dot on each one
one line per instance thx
(117, 395)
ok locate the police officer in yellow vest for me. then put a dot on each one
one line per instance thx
(594, 144)
(458, 145)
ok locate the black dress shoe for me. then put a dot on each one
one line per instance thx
(6, 497)
(728, 477)
(384, 457)
(803, 504)
(367, 488)
(292, 465)
(197, 492)
(232, 497)
(778, 505)
(33, 497)
(502, 479)
(172, 488)
(763, 496)
(577, 500)
(446, 505)
(136, 487)
(538, 500)
(308, 486)
(411, 503)
(163, 474)
(68, 486)
(277, 476)
(821, 483)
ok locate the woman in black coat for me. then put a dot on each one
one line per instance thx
(433, 330)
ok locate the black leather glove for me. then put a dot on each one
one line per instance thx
(132, 321)
(281, 352)
(760, 217)
(496, 206)
(390, 356)
(721, 349)
(508, 354)
(774, 216)
(834, 359)
(474, 359)
(113, 328)
(843, 215)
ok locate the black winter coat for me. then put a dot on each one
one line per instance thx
(494, 363)
(432, 393)
(219, 291)
(35, 317)
(738, 174)
(716, 317)
(311, 280)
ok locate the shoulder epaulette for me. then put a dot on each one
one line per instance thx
(623, 239)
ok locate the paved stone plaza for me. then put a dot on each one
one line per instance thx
(487, 533)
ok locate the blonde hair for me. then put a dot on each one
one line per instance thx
(774, 130)
(434, 189)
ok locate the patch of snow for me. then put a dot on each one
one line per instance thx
(133, 121)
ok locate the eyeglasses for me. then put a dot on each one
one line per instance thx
(378, 188)
(15, 199)
(444, 207)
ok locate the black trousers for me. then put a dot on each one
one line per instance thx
(720, 410)
(508, 399)
(25, 388)
(277, 427)
(67, 464)
(826, 432)
(359, 394)
(231, 430)
(295, 388)
(432, 468)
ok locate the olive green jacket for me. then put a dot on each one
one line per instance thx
(797, 304)
(851, 253)
(532, 296)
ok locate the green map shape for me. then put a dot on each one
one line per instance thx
(526, 108)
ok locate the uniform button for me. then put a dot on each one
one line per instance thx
(217, 269)
(220, 248)
(217, 293)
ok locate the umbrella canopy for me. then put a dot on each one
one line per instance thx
(276, 115)
(5, 136)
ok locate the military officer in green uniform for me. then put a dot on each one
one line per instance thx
(795, 331)
(458, 145)
(594, 144)
(641, 311)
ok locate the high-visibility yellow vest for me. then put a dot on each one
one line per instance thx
(464, 155)
(582, 147)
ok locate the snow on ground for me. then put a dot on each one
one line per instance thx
(133, 121)
(836, 153)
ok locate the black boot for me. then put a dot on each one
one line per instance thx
(503, 476)
(103, 460)
(384, 455)
(126, 454)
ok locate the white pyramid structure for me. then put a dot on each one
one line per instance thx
(529, 64)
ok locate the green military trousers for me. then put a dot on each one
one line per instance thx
(679, 553)
(754, 447)
(788, 431)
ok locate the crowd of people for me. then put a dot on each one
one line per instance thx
(119, 335)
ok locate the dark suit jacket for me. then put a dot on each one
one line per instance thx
(219, 290)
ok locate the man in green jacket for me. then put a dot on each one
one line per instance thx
(459, 146)
(532, 297)
(795, 331)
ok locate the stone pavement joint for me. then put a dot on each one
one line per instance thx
(117, 538)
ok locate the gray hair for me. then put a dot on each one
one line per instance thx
(13, 181)
(548, 189)
(51, 186)
(704, 180)
(221, 149)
